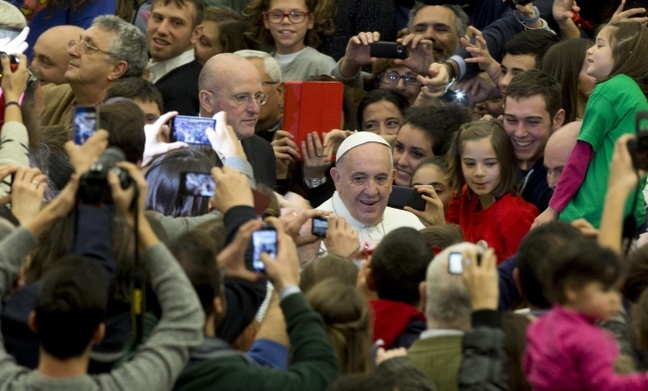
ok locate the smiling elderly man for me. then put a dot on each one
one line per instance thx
(363, 178)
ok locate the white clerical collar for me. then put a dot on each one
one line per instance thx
(159, 69)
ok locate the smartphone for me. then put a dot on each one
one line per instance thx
(455, 263)
(513, 3)
(384, 49)
(312, 106)
(263, 240)
(85, 123)
(639, 146)
(320, 226)
(405, 196)
(9, 32)
(199, 184)
(191, 130)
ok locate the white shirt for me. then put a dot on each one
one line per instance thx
(158, 70)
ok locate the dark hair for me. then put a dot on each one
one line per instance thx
(70, 305)
(136, 88)
(579, 264)
(630, 52)
(440, 161)
(221, 13)
(323, 15)
(199, 7)
(439, 237)
(502, 146)
(325, 267)
(163, 177)
(439, 122)
(564, 61)
(124, 121)
(196, 254)
(536, 252)
(536, 82)
(380, 94)
(531, 43)
(515, 327)
(640, 319)
(234, 35)
(399, 264)
(637, 275)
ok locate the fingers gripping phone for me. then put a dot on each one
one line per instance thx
(263, 241)
(405, 196)
(388, 50)
(85, 123)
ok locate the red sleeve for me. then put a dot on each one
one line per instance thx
(572, 176)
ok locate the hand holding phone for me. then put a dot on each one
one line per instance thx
(191, 130)
(320, 226)
(384, 49)
(405, 196)
(263, 241)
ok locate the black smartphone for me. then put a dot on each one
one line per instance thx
(85, 123)
(455, 263)
(401, 197)
(191, 130)
(513, 3)
(199, 184)
(384, 49)
(320, 226)
(263, 240)
(639, 146)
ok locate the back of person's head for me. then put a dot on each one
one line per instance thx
(129, 43)
(124, 121)
(439, 122)
(581, 263)
(197, 256)
(398, 265)
(532, 43)
(347, 322)
(441, 236)
(326, 267)
(564, 62)
(447, 302)
(535, 254)
(163, 178)
(637, 276)
(136, 88)
(630, 52)
(536, 82)
(70, 306)
(11, 16)
(270, 65)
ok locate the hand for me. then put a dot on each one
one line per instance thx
(433, 213)
(481, 279)
(528, 12)
(549, 215)
(232, 257)
(357, 53)
(16, 45)
(14, 83)
(480, 55)
(341, 238)
(124, 199)
(434, 86)
(420, 56)
(585, 228)
(296, 224)
(563, 11)
(625, 178)
(383, 355)
(316, 161)
(232, 189)
(83, 156)
(223, 139)
(285, 150)
(58, 208)
(157, 137)
(478, 89)
(292, 201)
(282, 271)
(333, 139)
(27, 190)
(623, 16)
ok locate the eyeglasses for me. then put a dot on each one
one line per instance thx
(393, 77)
(245, 99)
(85, 47)
(293, 16)
(269, 83)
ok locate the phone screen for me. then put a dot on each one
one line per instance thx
(191, 130)
(320, 226)
(9, 32)
(200, 184)
(84, 123)
(455, 263)
(263, 240)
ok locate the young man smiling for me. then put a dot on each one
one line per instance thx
(171, 32)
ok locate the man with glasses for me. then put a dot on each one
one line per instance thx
(232, 84)
(108, 50)
(172, 30)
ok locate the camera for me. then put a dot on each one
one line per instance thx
(388, 50)
(93, 184)
(320, 226)
(638, 147)
(513, 3)
(13, 61)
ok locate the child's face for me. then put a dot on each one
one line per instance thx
(596, 301)
(288, 35)
(599, 56)
(480, 167)
(431, 174)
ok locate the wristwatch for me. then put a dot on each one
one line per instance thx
(312, 183)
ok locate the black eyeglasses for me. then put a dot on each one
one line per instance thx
(293, 16)
(393, 77)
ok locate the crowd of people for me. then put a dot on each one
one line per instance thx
(476, 221)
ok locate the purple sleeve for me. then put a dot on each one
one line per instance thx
(572, 176)
(269, 353)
